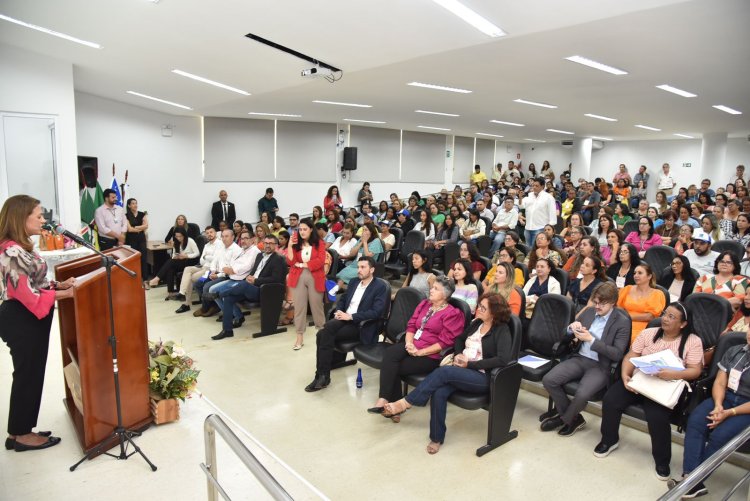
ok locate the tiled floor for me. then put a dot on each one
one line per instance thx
(326, 437)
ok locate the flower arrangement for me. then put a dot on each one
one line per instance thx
(171, 371)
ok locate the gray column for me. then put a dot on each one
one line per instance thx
(713, 159)
(581, 159)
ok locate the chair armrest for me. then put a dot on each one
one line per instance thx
(446, 351)
(400, 336)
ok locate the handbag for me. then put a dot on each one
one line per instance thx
(666, 393)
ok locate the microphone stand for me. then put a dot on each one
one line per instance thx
(123, 435)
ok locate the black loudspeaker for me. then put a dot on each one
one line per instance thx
(350, 158)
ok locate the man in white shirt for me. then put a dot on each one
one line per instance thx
(738, 174)
(506, 219)
(366, 298)
(666, 182)
(540, 210)
(110, 221)
(481, 207)
(235, 271)
(223, 255)
(702, 259)
(192, 274)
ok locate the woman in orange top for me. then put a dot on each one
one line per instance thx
(642, 301)
(306, 256)
(622, 191)
(504, 285)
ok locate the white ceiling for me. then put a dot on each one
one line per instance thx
(702, 46)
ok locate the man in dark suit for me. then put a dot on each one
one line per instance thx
(269, 268)
(366, 299)
(602, 332)
(223, 211)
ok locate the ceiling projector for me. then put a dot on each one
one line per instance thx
(317, 71)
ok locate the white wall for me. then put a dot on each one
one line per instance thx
(165, 173)
(36, 84)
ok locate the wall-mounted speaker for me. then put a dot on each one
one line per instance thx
(350, 158)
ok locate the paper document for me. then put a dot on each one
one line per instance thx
(651, 364)
(532, 362)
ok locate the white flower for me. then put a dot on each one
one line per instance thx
(177, 351)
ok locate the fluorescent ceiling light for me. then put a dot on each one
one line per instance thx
(600, 117)
(684, 135)
(439, 87)
(50, 32)
(437, 113)
(145, 96)
(561, 131)
(648, 128)
(273, 114)
(210, 82)
(534, 103)
(601, 138)
(675, 90)
(487, 134)
(596, 65)
(433, 128)
(534, 140)
(363, 121)
(727, 109)
(355, 105)
(471, 17)
(507, 123)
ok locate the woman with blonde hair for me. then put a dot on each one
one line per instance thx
(503, 284)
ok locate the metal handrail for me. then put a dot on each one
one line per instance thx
(211, 426)
(707, 467)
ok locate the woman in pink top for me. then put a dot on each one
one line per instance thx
(432, 328)
(28, 301)
(644, 238)
(674, 335)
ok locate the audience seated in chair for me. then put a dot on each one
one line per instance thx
(226, 252)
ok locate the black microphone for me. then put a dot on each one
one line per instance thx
(76, 238)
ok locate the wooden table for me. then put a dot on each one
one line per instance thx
(157, 253)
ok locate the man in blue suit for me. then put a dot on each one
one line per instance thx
(366, 299)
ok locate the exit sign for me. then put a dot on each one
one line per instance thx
(688, 164)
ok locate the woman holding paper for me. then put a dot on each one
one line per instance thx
(673, 335)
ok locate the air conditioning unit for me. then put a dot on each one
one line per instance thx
(567, 143)
(597, 145)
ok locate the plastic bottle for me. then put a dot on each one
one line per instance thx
(359, 378)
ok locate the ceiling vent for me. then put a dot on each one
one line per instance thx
(567, 143)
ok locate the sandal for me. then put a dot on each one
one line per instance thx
(393, 410)
(433, 448)
(286, 321)
(287, 305)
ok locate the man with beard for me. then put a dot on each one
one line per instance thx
(192, 274)
(268, 268)
(224, 255)
(366, 299)
(701, 257)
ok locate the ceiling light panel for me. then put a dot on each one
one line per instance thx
(647, 127)
(600, 138)
(363, 121)
(727, 109)
(487, 134)
(600, 117)
(436, 113)
(336, 103)
(534, 103)
(534, 140)
(260, 114)
(684, 135)
(432, 128)
(152, 98)
(596, 65)
(675, 90)
(210, 82)
(439, 87)
(561, 131)
(471, 17)
(50, 32)
(507, 123)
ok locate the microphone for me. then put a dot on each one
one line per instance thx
(74, 237)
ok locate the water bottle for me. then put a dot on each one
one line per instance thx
(359, 378)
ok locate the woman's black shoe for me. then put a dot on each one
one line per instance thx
(182, 309)
(51, 441)
(375, 410)
(10, 443)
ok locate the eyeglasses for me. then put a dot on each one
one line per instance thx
(724, 261)
(599, 304)
(481, 308)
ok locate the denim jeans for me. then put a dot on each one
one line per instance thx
(498, 240)
(530, 236)
(230, 295)
(439, 385)
(700, 441)
(207, 286)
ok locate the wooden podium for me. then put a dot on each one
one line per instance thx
(84, 335)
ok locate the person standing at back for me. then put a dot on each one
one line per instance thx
(111, 222)
(268, 204)
(477, 176)
(540, 210)
(223, 210)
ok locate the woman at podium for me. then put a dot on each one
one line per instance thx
(28, 300)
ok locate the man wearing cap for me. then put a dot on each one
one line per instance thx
(404, 221)
(365, 300)
(701, 257)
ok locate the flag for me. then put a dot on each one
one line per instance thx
(116, 187)
(91, 198)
